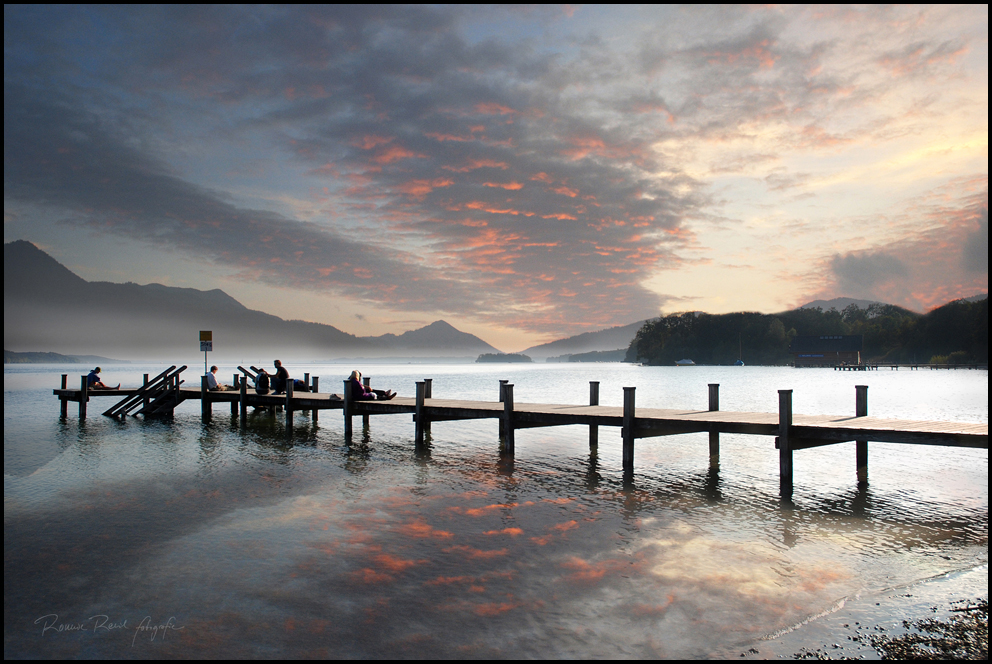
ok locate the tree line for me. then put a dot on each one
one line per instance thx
(956, 333)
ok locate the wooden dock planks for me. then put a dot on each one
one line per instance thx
(791, 432)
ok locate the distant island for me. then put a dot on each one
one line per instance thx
(503, 357)
(10, 357)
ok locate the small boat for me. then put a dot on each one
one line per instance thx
(685, 363)
(739, 363)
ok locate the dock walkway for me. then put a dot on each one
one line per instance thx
(791, 432)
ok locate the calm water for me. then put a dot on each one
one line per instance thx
(246, 544)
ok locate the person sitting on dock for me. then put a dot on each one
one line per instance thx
(212, 383)
(93, 381)
(262, 382)
(280, 378)
(360, 393)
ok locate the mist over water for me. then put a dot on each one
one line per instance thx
(246, 543)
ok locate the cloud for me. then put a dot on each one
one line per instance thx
(860, 274)
(418, 159)
(976, 246)
(428, 141)
(947, 261)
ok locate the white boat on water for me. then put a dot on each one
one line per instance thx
(685, 363)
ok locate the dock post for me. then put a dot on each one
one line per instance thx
(64, 403)
(507, 420)
(593, 401)
(784, 446)
(419, 415)
(861, 451)
(428, 394)
(83, 396)
(367, 382)
(306, 381)
(243, 401)
(234, 385)
(714, 435)
(205, 409)
(502, 385)
(628, 430)
(347, 409)
(145, 400)
(313, 388)
(289, 407)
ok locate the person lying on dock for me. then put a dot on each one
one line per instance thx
(93, 381)
(360, 393)
(212, 383)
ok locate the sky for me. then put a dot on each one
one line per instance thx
(524, 173)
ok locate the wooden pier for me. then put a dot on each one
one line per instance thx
(159, 396)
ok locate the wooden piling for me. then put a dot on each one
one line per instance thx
(502, 385)
(289, 407)
(628, 430)
(145, 400)
(234, 385)
(316, 382)
(367, 381)
(784, 446)
(243, 401)
(593, 401)
(63, 402)
(508, 441)
(205, 405)
(714, 405)
(428, 394)
(346, 409)
(83, 396)
(419, 415)
(861, 446)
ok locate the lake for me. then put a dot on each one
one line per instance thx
(202, 540)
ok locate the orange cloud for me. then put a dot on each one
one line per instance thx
(395, 153)
(759, 52)
(476, 163)
(512, 186)
(492, 108)
(420, 188)
(371, 141)
(477, 554)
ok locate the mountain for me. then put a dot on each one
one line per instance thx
(610, 339)
(838, 303)
(48, 307)
(428, 340)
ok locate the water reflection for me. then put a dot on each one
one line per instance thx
(314, 545)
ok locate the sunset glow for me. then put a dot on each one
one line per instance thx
(524, 174)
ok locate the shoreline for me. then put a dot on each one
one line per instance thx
(844, 631)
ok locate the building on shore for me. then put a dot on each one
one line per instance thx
(828, 350)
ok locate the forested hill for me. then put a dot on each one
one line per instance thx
(956, 332)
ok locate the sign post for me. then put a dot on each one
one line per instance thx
(206, 344)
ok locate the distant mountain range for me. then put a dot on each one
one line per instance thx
(49, 308)
(613, 338)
